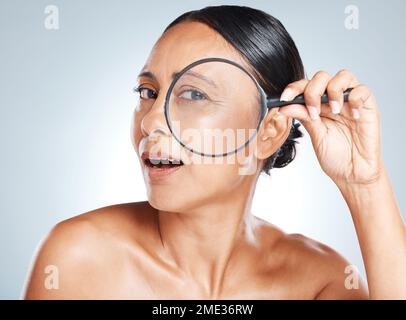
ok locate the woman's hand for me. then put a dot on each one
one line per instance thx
(345, 136)
(347, 145)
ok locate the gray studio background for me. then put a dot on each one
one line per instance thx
(66, 105)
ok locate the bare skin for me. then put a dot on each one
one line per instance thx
(116, 253)
(192, 239)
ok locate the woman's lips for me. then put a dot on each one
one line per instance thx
(160, 171)
(159, 164)
(155, 173)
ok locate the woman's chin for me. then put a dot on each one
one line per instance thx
(174, 201)
(166, 201)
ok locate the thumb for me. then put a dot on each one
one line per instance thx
(315, 128)
(296, 111)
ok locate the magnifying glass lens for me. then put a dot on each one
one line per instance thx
(214, 108)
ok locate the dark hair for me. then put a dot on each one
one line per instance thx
(267, 46)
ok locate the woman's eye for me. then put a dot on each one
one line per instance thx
(192, 95)
(146, 93)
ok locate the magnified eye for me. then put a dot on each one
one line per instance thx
(192, 95)
(146, 93)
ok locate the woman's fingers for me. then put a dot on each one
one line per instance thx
(291, 91)
(360, 97)
(313, 92)
(316, 116)
(335, 90)
(313, 89)
(296, 111)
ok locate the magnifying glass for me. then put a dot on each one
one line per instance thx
(214, 107)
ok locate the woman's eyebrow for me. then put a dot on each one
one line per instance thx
(196, 75)
(149, 74)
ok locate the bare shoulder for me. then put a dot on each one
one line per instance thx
(82, 249)
(331, 274)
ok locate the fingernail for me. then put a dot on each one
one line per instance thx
(287, 95)
(314, 114)
(335, 106)
(355, 113)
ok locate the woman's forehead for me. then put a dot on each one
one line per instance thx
(184, 44)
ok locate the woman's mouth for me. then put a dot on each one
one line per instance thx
(159, 168)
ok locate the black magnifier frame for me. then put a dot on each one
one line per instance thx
(181, 73)
(267, 103)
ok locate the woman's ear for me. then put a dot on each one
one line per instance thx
(273, 133)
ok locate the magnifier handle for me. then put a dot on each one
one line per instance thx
(274, 102)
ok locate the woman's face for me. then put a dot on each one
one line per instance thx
(198, 181)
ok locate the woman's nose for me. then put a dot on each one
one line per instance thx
(154, 120)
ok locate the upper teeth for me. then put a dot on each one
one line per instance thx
(164, 161)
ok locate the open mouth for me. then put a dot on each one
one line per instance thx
(162, 163)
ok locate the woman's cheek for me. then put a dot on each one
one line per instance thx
(135, 131)
(215, 176)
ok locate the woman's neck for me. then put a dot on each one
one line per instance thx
(202, 242)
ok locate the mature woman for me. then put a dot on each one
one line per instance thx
(195, 238)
